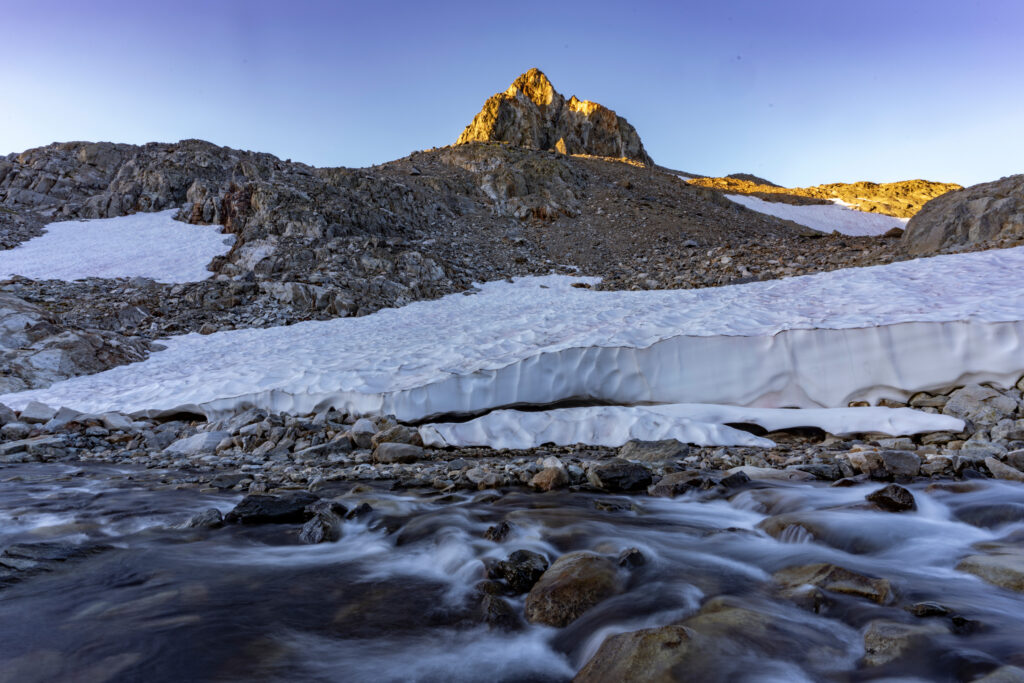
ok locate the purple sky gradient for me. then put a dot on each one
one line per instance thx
(801, 92)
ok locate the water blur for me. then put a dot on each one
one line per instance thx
(393, 599)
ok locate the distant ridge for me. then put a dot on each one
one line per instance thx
(532, 114)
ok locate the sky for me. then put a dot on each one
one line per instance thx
(800, 92)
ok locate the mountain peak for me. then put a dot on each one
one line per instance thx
(532, 114)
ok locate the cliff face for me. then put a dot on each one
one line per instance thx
(532, 114)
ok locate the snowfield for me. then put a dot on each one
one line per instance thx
(824, 217)
(151, 245)
(816, 341)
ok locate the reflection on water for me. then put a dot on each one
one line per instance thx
(126, 593)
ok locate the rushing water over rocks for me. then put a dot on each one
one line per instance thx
(108, 583)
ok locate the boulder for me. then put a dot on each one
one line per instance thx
(892, 498)
(980, 404)
(37, 413)
(266, 508)
(572, 585)
(394, 452)
(197, 444)
(619, 475)
(903, 464)
(550, 478)
(521, 570)
(988, 213)
(1001, 470)
(657, 655)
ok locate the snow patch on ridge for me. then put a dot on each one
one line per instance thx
(813, 341)
(824, 217)
(151, 245)
(701, 424)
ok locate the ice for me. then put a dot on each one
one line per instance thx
(700, 424)
(151, 245)
(824, 217)
(814, 341)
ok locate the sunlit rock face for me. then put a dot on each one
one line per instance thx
(531, 113)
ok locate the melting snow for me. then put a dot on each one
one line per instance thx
(824, 217)
(697, 423)
(814, 341)
(151, 245)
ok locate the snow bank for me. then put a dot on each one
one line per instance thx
(824, 217)
(700, 424)
(813, 341)
(151, 245)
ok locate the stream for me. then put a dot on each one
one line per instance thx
(113, 587)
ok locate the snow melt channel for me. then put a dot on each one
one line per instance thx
(151, 245)
(813, 341)
(824, 217)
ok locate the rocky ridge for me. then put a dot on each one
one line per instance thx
(532, 114)
(902, 199)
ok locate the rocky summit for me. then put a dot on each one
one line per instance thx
(532, 114)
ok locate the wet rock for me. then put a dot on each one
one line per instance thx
(497, 613)
(572, 585)
(1001, 470)
(37, 413)
(498, 532)
(902, 464)
(211, 518)
(830, 577)
(550, 478)
(1006, 571)
(266, 508)
(736, 480)
(886, 641)
(929, 609)
(324, 527)
(668, 450)
(395, 452)
(980, 404)
(631, 558)
(619, 475)
(358, 511)
(653, 654)
(521, 570)
(1004, 674)
(676, 483)
(892, 498)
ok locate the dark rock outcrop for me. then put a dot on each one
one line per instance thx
(986, 214)
(531, 113)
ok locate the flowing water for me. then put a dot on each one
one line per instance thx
(393, 600)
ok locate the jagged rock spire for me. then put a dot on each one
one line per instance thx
(531, 113)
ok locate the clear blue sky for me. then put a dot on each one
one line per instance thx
(801, 92)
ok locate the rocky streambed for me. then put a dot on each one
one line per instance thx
(116, 573)
(324, 547)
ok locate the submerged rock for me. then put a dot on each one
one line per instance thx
(886, 641)
(572, 585)
(830, 577)
(1006, 571)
